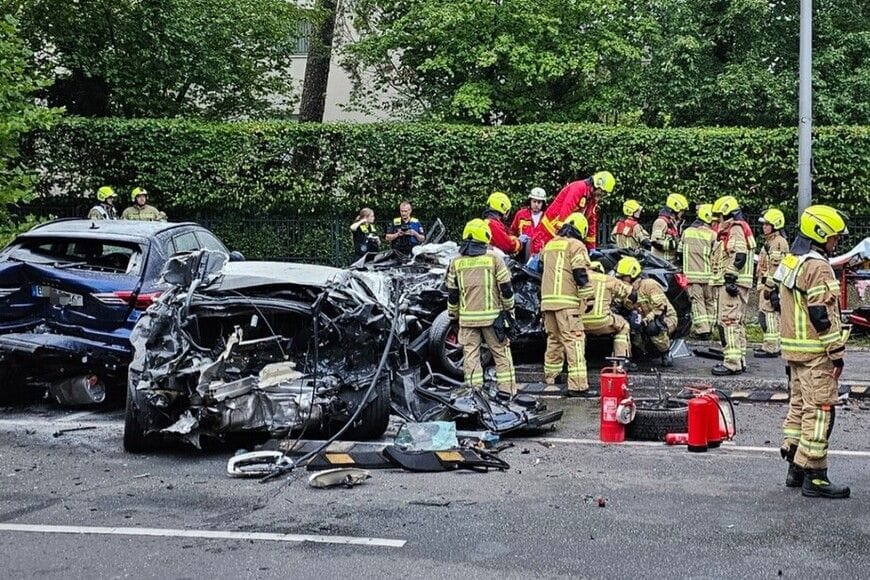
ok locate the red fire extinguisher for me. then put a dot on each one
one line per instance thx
(707, 423)
(617, 406)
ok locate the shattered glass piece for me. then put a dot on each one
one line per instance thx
(429, 436)
(679, 349)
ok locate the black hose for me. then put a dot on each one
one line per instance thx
(308, 456)
(733, 415)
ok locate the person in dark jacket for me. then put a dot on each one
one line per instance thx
(365, 234)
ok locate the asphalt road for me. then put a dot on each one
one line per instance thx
(667, 512)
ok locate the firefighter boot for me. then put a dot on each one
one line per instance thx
(795, 475)
(816, 484)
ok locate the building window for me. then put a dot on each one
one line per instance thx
(303, 34)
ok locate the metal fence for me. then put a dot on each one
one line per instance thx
(325, 239)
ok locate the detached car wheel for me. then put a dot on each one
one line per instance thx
(136, 440)
(655, 419)
(445, 350)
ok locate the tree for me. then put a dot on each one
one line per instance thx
(19, 115)
(501, 61)
(164, 58)
(316, 79)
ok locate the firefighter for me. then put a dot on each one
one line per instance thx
(600, 318)
(813, 343)
(564, 291)
(666, 227)
(140, 210)
(105, 209)
(653, 315)
(696, 248)
(581, 197)
(479, 291)
(628, 233)
(732, 276)
(774, 248)
(527, 221)
(498, 207)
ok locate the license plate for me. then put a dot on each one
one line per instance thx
(58, 297)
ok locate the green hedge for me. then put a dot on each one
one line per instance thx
(290, 169)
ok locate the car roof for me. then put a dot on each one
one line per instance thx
(104, 228)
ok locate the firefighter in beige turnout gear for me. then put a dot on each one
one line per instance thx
(696, 247)
(774, 248)
(666, 227)
(600, 319)
(479, 291)
(628, 233)
(653, 314)
(733, 266)
(564, 291)
(813, 343)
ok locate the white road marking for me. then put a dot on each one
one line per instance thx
(52, 423)
(206, 534)
(730, 445)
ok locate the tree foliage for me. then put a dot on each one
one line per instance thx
(663, 62)
(163, 58)
(19, 115)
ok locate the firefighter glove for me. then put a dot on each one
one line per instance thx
(635, 321)
(731, 285)
(838, 367)
(646, 244)
(774, 300)
(524, 239)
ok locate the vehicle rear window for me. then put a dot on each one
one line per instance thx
(90, 254)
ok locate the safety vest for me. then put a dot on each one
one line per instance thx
(697, 247)
(477, 278)
(561, 256)
(808, 280)
(604, 290)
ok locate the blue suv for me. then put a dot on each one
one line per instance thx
(71, 292)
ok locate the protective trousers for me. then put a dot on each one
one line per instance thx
(619, 328)
(703, 297)
(471, 338)
(768, 319)
(565, 337)
(732, 311)
(810, 416)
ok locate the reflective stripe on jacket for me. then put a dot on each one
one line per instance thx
(561, 256)
(696, 245)
(772, 252)
(605, 289)
(809, 281)
(478, 278)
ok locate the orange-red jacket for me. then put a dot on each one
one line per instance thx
(523, 224)
(574, 197)
(501, 237)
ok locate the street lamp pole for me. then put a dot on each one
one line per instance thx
(805, 109)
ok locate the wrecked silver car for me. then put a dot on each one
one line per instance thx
(279, 348)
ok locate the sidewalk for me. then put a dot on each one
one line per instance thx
(764, 380)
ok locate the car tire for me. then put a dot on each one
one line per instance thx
(136, 440)
(375, 418)
(654, 420)
(445, 350)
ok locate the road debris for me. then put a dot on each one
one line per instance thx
(342, 476)
(72, 429)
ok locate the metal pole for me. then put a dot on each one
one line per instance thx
(805, 127)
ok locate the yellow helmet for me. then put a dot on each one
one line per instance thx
(628, 266)
(604, 180)
(499, 202)
(821, 222)
(631, 207)
(677, 202)
(137, 191)
(725, 205)
(705, 213)
(773, 217)
(477, 230)
(578, 220)
(105, 193)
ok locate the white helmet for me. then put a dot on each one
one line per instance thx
(538, 193)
